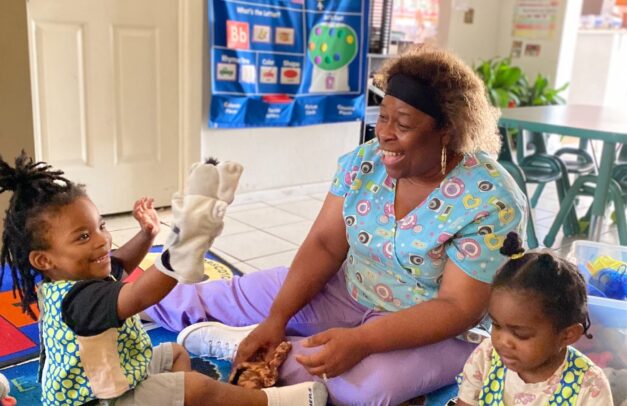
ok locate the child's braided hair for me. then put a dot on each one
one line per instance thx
(37, 189)
(558, 283)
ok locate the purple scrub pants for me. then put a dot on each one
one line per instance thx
(379, 379)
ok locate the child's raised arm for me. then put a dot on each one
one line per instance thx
(197, 220)
(132, 253)
(147, 290)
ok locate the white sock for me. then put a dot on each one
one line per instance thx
(302, 394)
(4, 386)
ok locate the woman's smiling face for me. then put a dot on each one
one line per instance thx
(409, 141)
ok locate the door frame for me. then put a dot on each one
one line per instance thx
(191, 37)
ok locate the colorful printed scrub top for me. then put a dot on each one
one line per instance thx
(565, 387)
(392, 263)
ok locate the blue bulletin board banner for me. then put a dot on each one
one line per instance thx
(287, 62)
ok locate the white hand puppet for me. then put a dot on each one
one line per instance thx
(198, 219)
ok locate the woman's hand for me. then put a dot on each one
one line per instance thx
(261, 342)
(340, 350)
(146, 216)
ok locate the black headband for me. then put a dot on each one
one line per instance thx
(414, 93)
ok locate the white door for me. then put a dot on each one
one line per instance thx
(105, 86)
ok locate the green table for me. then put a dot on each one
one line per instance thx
(590, 122)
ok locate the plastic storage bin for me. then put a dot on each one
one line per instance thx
(604, 260)
(608, 347)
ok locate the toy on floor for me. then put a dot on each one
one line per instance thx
(609, 277)
(5, 399)
(260, 374)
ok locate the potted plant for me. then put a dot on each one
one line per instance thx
(539, 93)
(508, 86)
(504, 82)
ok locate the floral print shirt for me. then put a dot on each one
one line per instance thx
(393, 263)
(595, 389)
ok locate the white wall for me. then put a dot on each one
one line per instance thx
(556, 54)
(277, 157)
(491, 35)
(599, 69)
(472, 42)
(16, 119)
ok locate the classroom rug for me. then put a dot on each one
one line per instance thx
(27, 391)
(19, 336)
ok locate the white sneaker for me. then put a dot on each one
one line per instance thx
(213, 339)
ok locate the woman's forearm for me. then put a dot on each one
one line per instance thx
(423, 324)
(461, 303)
(318, 259)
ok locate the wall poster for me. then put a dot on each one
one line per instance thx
(535, 19)
(287, 62)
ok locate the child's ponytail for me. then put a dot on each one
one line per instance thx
(36, 188)
(512, 246)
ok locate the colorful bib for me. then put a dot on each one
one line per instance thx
(64, 381)
(566, 393)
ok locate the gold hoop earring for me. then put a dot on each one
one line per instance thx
(443, 160)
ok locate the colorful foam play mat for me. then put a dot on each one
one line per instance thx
(19, 335)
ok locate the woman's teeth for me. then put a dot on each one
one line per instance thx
(389, 153)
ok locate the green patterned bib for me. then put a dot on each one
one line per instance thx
(566, 393)
(64, 379)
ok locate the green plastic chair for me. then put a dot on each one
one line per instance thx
(586, 185)
(541, 168)
(619, 174)
(581, 164)
(506, 160)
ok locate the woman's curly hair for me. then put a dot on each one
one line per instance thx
(459, 92)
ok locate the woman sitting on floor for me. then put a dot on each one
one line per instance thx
(399, 261)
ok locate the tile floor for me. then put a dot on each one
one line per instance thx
(260, 233)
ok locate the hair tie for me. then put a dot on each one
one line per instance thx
(517, 255)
